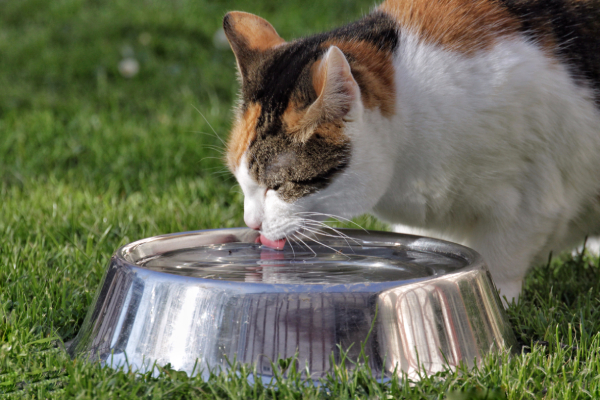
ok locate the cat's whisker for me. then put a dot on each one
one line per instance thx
(304, 243)
(319, 232)
(202, 133)
(223, 174)
(215, 150)
(210, 158)
(325, 225)
(223, 170)
(207, 134)
(219, 173)
(317, 241)
(345, 238)
(336, 217)
(339, 234)
(294, 240)
(320, 224)
(212, 147)
(211, 127)
(292, 247)
(323, 244)
(216, 171)
(311, 222)
(322, 214)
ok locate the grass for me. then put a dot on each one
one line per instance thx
(91, 160)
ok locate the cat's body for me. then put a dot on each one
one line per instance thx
(474, 121)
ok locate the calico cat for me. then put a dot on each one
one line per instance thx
(475, 121)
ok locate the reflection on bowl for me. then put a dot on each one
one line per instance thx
(200, 299)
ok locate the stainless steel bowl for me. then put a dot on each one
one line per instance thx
(198, 299)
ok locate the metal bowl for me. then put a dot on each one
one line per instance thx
(198, 300)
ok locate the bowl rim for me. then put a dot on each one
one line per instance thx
(128, 255)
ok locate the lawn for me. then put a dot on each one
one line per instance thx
(91, 159)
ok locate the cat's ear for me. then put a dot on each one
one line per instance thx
(336, 89)
(249, 35)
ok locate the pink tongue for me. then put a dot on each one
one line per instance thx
(274, 244)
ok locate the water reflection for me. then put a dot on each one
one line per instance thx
(300, 265)
(441, 322)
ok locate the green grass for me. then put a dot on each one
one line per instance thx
(90, 160)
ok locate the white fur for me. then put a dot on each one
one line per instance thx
(263, 209)
(499, 151)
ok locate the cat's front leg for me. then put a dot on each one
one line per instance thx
(508, 253)
(507, 260)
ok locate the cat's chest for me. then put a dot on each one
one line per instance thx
(418, 202)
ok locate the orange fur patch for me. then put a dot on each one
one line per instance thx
(257, 33)
(243, 132)
(374, 72)
(293, 115)
(459, 25)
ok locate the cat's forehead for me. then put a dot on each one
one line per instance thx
(280, 75)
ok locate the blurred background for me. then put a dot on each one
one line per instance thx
(112, 92)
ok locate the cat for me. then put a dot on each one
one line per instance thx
(475, 121)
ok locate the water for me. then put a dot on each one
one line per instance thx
(245, 262)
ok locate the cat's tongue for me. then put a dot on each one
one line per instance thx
(274, 244)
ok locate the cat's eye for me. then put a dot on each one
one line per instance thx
(275, 187)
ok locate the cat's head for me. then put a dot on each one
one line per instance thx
(300, 146)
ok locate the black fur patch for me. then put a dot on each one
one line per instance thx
(575, 27)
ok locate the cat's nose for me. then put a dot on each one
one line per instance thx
(256, 225)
